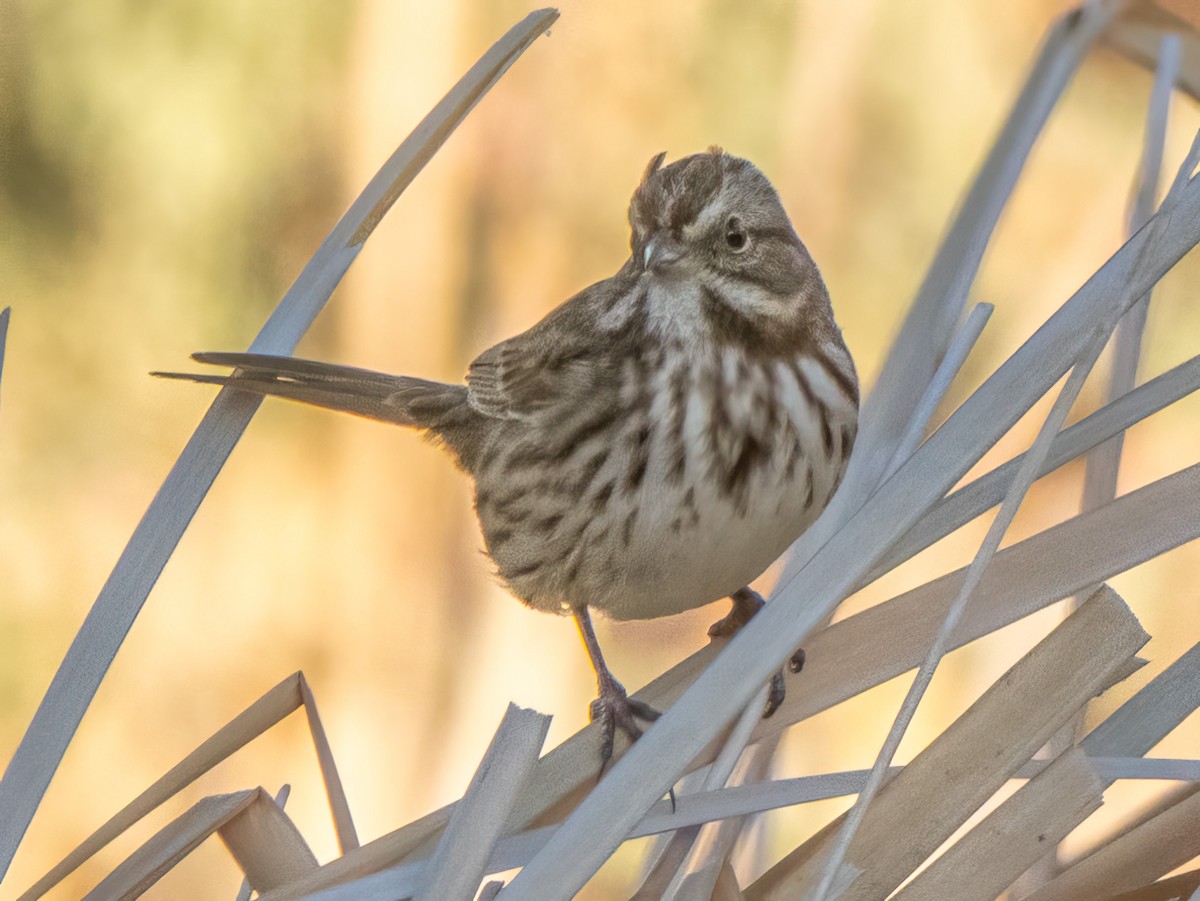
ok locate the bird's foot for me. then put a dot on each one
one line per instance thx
(614, 710)
(746, 603)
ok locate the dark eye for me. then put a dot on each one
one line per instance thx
(735, 234)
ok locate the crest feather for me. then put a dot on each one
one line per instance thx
(653, 166)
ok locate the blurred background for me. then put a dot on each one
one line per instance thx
(165, 172)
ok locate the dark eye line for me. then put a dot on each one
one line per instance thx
(769, 232)
(759, 233)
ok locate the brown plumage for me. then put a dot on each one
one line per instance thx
(657, 440)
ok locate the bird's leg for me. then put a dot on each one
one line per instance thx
(746, 603)
(613, 709)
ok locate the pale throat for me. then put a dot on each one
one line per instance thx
(673, 312)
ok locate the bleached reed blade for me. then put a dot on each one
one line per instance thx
(1145, 719)
(688, 785)
(1184, 887)
(339, 806)
(707, 871)
(1021, 484)
(598, 825)
(988, 490)
(5, 315)
(956, 354)
(657, 882)
(1103, 462)
(1134, 858)
(1159, 804)
(885, 640)
(921, 342)
(744, 800)
(1160, 768)
(286, 697)
(862, 651)
(939, 302)
(709, 807)
(156, 536)
(266, 844)
(460, 861)
(665, 880)
(1141, 42)
(281, 797)
(989, 858)
(170, 845)
(966, 764)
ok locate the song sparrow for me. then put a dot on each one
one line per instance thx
(656, 441)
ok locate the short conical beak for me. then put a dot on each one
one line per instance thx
(661, 253)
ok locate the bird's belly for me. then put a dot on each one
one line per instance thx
(683, 555)
(667, 511)
(668, 547)
(758, 468)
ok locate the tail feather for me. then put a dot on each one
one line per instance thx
(398, 399)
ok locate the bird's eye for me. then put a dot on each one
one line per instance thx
(735, 234)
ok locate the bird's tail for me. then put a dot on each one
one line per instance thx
(398, 399)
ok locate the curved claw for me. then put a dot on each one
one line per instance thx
(746, 603)
(797, 662)
(775, 694)
(616, 710)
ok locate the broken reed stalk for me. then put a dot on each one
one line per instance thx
(281, 798)
(1133, 729)
(845, 659)
(288, 696)
(460, 861)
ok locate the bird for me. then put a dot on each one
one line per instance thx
(658, 439)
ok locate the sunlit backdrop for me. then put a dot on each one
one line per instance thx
(166, 170)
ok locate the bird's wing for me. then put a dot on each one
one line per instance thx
(556, 360)
(521, 376)
(563, 360)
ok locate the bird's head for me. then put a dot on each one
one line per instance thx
(713, 219)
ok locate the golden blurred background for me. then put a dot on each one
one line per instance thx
(166, 170)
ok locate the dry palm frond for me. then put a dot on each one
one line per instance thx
(285, 698)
